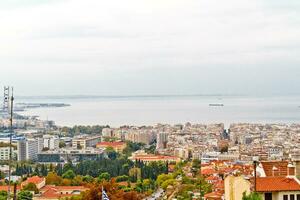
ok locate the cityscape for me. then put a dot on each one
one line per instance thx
(149, 100)
(162, 161)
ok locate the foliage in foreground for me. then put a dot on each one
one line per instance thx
(251, 196)
(111, 188)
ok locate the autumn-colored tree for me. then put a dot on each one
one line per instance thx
(78, 180)
(112, 190)
(53, 179)
(66, 182)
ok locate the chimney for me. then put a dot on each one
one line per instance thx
(275, 171)
(291, 169)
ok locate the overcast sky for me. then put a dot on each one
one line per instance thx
(140, 47)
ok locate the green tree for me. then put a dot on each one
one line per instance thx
(111, 153)
(104, 176)
(31, 187)
(69, 174)
(196, 166)
(88, 179)
(251, 196)
(25, 195)
(62, 144)
(3, 195)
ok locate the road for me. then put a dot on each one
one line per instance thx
(156, 195)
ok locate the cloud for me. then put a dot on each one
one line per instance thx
(103, 39)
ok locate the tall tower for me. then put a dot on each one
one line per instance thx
(6, 100)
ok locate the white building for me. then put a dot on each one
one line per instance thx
(83, 142)
(51, 142)
(4, 153)
(29, 148)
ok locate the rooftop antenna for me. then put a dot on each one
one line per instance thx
(10, 141)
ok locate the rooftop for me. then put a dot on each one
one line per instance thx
(280, 166)
(273, 184)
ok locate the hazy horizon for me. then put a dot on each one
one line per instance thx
(150, 47)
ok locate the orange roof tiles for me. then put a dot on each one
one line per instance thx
(272, 184)
(5, 187)
(214, 196)
(57, 192)
(34, 179)
(208, 171)
(280, 165)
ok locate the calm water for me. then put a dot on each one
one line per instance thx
(116, 111)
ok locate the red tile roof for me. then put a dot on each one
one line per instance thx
(111, 144)
(57, 192)
(272, 184)
(280, 165)
(34, 179)
(208, 171)
(63, 188)
(213, 196)
(5, 187)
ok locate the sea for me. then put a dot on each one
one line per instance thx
(116, 111)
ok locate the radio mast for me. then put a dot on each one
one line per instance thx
(10, 141)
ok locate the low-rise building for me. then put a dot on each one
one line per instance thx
(144, 157)
(278, 188)
(51, 192)
(63, 155)
(84, 141)
(117, 146)
(40, 182)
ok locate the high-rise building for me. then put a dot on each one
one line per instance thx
(29, 148)
(162, 140)
(21, 150)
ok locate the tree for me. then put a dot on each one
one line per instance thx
(224, 149)
(3, 195)
(45, 149)
(31, 187)
(88, 179)
(53, 179)
(69, 174)
(111, 153)
(44, 170)
(62, 144)
(251, 196)
(66, 182)
(104, 176)
(59, 169)
(25, 195)
(77, 181)
(112, 190)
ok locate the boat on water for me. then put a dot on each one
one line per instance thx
(216, 104)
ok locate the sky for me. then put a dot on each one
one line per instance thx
(147, 47)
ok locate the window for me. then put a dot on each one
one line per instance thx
(292, 197)
(268, 196)
(298, 196)
(285, 197)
